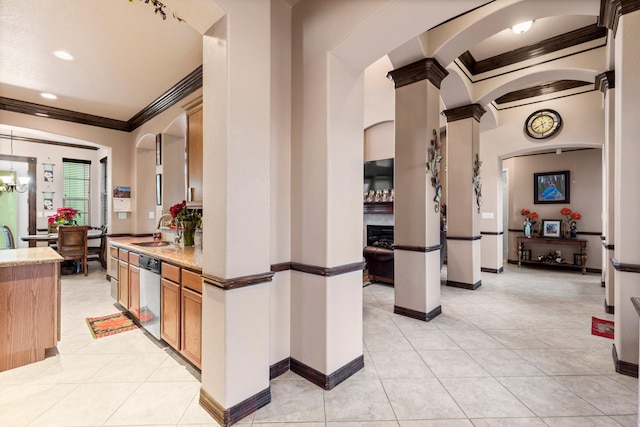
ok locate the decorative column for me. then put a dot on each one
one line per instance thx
(623, 17)
(417, 189)
(605, 82)
(464, 196)
(236, 198)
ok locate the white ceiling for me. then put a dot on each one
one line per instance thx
(125, 55)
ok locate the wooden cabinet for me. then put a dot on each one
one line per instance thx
(191, 317)
(123, 278)
(194, 155)
(170, 312)
(134, 285)
(113, 264)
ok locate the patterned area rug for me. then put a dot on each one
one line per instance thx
(109, 325)
(601, 327)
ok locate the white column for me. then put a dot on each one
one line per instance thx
(236, 187)
(463, 202)
(417, 216)
(626, 259)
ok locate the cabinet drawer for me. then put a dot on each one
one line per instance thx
(123, 254)
(113, 251)
(192, 280)
(171, 272)
(133, 258)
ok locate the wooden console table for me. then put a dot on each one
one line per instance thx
(580, 243)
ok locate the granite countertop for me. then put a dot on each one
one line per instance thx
(190, 258)
(26, 256)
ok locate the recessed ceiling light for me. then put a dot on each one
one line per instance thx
(522, 27)
(48, 96)
(42, 114)
(63, 55)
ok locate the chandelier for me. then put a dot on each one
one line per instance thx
(11, 182)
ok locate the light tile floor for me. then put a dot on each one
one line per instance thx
(517, 352)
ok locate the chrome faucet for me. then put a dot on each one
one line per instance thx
(157, 234)
(160, 221)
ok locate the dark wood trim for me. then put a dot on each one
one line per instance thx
(423, 69)
(417, 248)
(378, 208)
(610, 309)
(44, 141)
(281, 266)
(602, 284)
(237, 282)
(590, 233)
(608, 246)
(328, 271)
(463, 14)
(544, 89)
(492, 270)
(31, 189)
(186, 86)
(603, 237)
(622, 367)
(612, 10)
(626, 267)
(555, 266)
(327, 382)
(469, 111)
(544, 47)
(491, 233)
(279, 368)
(469, 286)
(177, 92)
(465, 237)
(636, 304)
(414, 314)
(605, 81)
(226, 417)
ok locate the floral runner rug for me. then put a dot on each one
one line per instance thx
(111, 324)
(602, 327)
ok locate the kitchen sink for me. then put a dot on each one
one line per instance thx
(153, 244)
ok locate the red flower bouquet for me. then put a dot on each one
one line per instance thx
(64, 216)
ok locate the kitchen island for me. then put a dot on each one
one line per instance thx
(29, 305)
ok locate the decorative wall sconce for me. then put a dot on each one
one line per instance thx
(11, 182)
(433, 167)
(477, 187)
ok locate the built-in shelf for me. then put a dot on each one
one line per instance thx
(378, 207)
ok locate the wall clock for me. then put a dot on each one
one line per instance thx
(543, 123)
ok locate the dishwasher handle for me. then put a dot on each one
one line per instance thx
(150, 263)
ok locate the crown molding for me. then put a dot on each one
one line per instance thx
(545, 89)
(186, 86)
(424, 69)
(612, 10)
(474, 111)
(605, 81)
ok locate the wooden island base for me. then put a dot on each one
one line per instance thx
(29, 305)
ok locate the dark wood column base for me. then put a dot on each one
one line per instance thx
(279, 368)
(327, 382)
(622, 367)
(470, 286)
(414, 314)
(226, 417)
(492, 270)
(610, 309)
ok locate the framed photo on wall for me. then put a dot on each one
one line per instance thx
(550, 228)
(551, 187)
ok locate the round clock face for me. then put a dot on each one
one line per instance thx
(543, 124)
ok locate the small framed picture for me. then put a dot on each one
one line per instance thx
(577, 259)
(551, 228)
(526, 255)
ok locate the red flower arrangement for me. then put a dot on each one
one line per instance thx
(531, 216)
(180, 213)
(570, 215)
(64, 216)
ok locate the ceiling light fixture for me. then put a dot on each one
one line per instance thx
(522, 27)
(11, 182)
(48, 96)
(63, 55)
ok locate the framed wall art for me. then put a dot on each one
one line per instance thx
(551, 228)
(551, 187)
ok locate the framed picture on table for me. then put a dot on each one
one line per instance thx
(551, 228)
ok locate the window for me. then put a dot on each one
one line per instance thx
(104, 210)
(77, 188)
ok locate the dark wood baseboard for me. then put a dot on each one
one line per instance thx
(622, 367)
(418, 314)
(470, 286)
(327, 382)
(610, 309)
(603, 284)
(492, 270)
(226, 417)
(279, 368)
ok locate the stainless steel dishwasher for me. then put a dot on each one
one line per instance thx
(150, 294)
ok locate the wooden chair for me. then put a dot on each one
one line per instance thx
(10, 243)
(97, 253)
(72, 243)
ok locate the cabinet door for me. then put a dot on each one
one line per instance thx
(191, 325)
(194, 153)
(134, 290)
(170, 313)
(123, 284)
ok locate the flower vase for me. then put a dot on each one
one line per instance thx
(188, 233)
